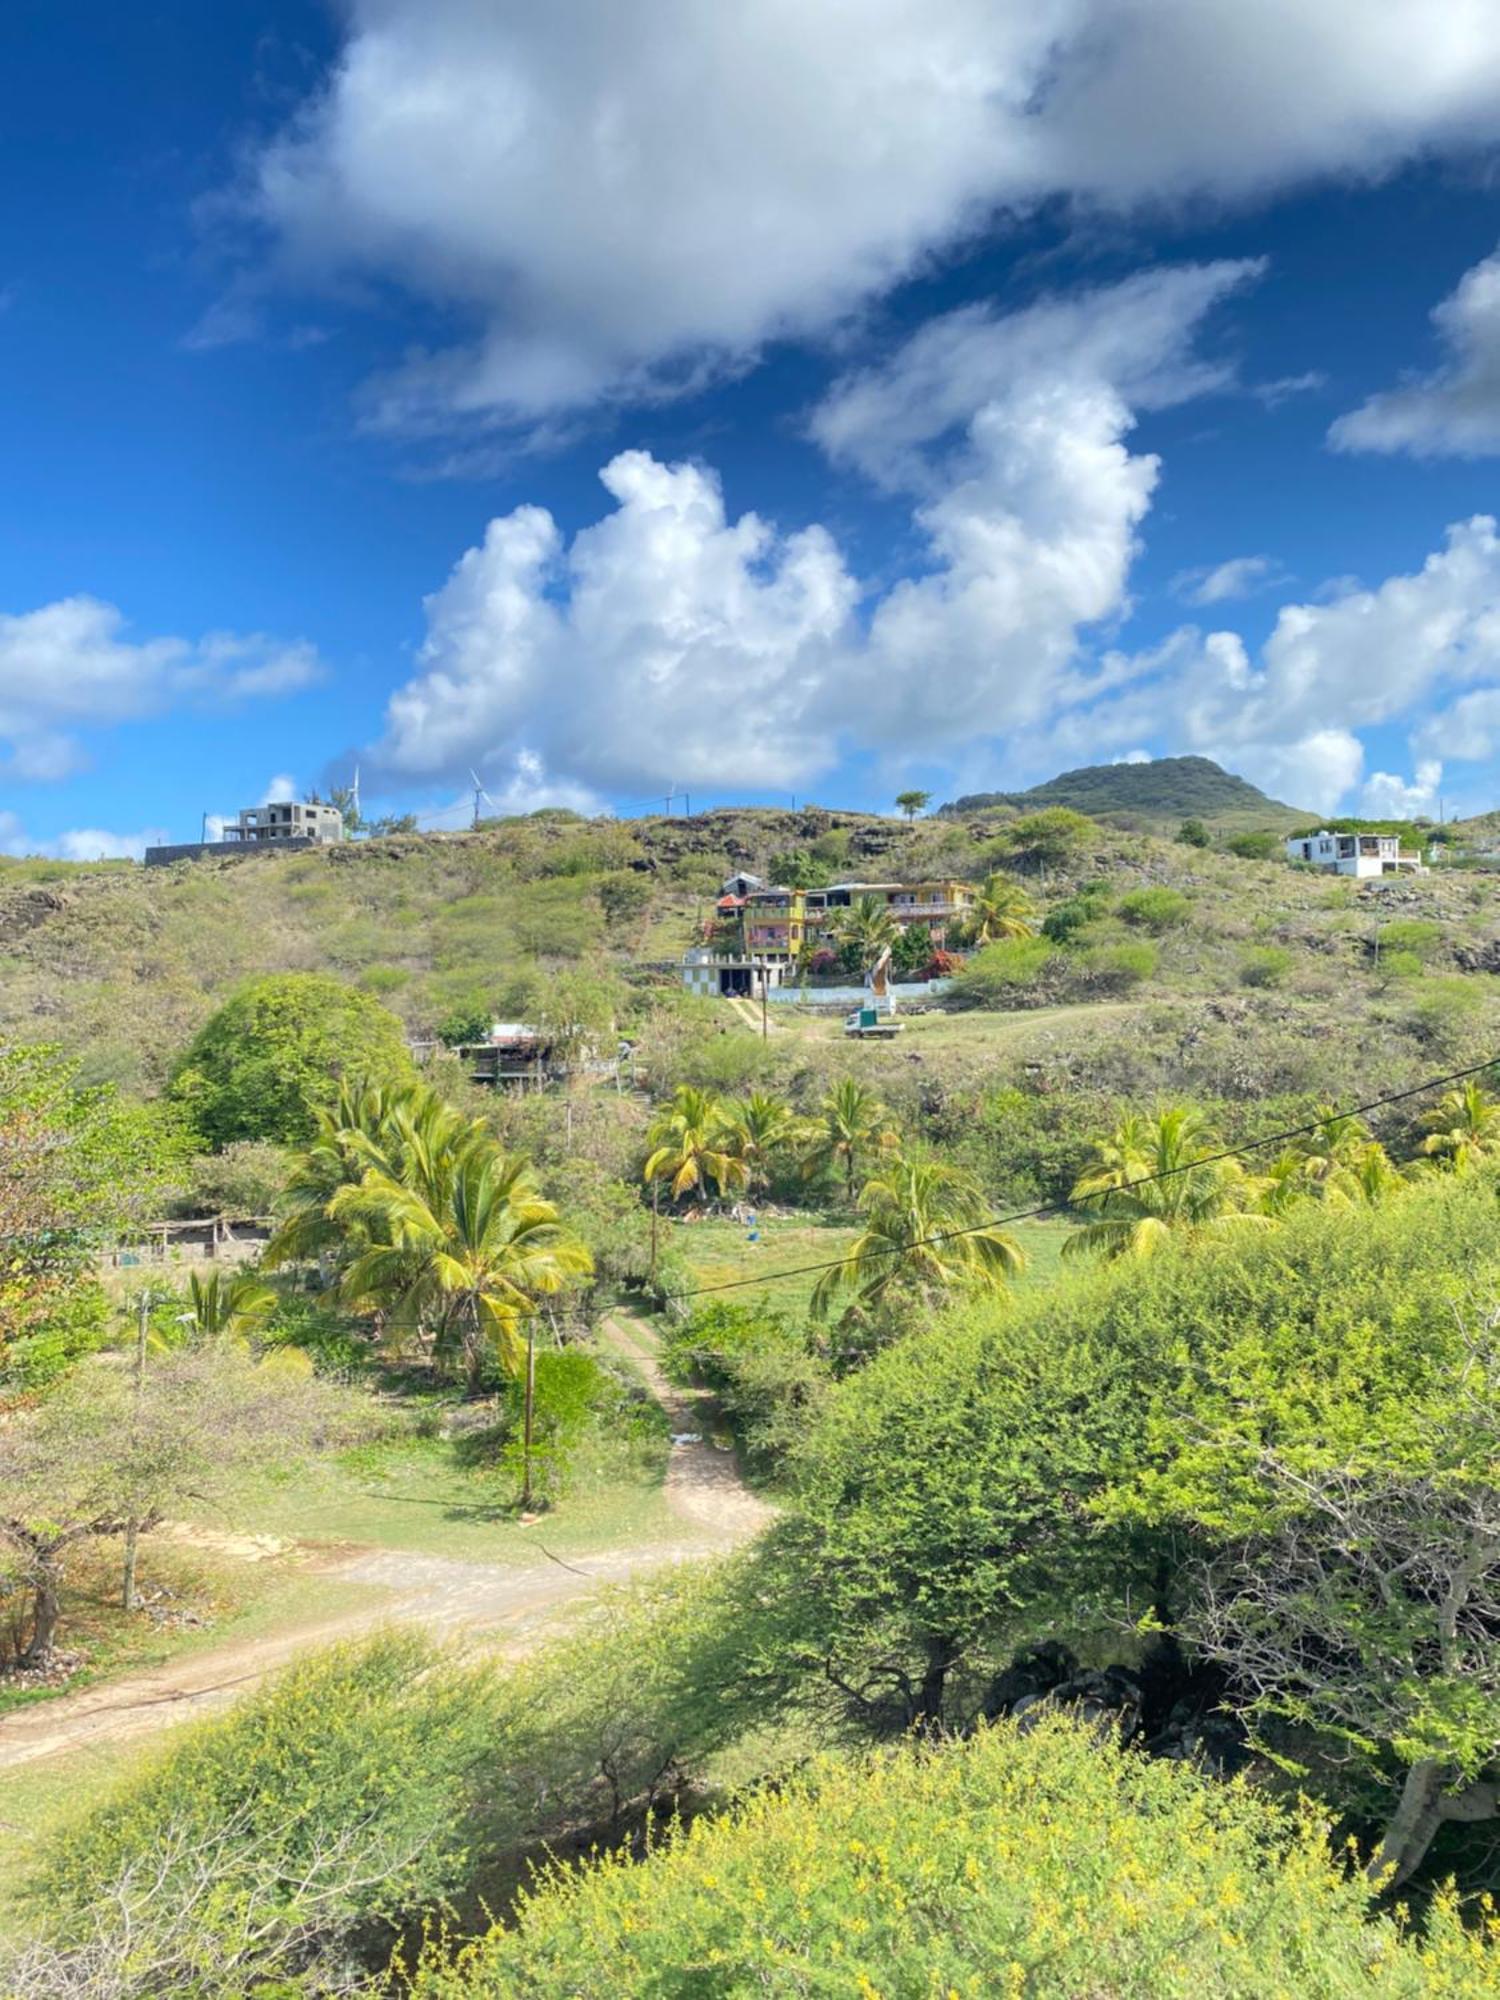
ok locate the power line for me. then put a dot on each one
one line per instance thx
(1063, 1207)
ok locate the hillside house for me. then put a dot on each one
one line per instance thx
(288, 819)
(776, 926)
(1361, 854)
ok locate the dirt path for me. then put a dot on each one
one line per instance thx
(703, 1486)
(507, 1604)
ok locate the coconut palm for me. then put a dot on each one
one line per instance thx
(852, 1130)
(693, 1145)
(1154, 1178)
(468, 1268)
(867, 928)
(1331, 1150)
(759, 1128)
(924, 1232)
(1001, 909)
(1463, 1128)
(369, 1125)
(229, 1309)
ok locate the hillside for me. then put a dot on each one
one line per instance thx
(1155, 796)
(1225, 989)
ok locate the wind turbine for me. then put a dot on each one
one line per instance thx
(479, 793)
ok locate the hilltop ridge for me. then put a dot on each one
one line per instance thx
(1148, 796)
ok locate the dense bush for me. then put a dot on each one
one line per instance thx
(1266, 965)
(1102, 969)
(1066, 919)
(954, 1499)
(1003, 974)
(766, 1377)
(1410, 934)
(261, 1066)
(1049, 1864)
(1156, 909)
(1257, 846)
(340, 1796)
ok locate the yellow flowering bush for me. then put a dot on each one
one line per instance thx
(1049, 1865)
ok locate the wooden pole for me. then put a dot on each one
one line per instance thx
(528, 1413)
(655, 1221)
(132, 1525)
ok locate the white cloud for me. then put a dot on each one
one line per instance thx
(70, 665)
(1241, 576)
(1289, 719)
(1455, 410)
(670, 643)
(279, 790)
(611, 201)
(1387, 796)
(79, 844)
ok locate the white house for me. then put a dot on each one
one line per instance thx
(1362, 854)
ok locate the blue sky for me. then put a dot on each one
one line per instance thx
(780, 401)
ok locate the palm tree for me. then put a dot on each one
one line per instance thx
(471, 1265)
(852, 1128)
(693, 1144)
(1002, 909)
(913, 1212)
(867, 928)
(1330, 1152)
(758, 1128)
(1153, 1178)
(229, 1309)
(369, 1125)
(1463, 1128)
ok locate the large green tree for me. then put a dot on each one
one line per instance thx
(79, 1165)
(278, 1051)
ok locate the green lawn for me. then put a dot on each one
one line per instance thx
(718, 1252)
(419, 1494)
(976, 1029)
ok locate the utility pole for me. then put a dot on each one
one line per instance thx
(529, 1409)
(655, 1220)
(132, 1525)
(765, 1011)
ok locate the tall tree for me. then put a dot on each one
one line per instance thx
(1152, 1179)
(852, 1130)
(761, 1128)
(925, 1234)
(693, 1146)
(464, 1257)
(911, 803)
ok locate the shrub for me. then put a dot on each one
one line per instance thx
(1448, 1015)
(1158, 909)
(1267, 965)
(1003, 974)
(261, 1066)
(1410, 934)
(1256, 846)
(1047, 838)
(1398, 966)
(336, 1798)
(1193, 833)
(385, 978)
(1052, 1864)
(1115, 968)
(1066, 919)
(760, 1366)
(624, 895)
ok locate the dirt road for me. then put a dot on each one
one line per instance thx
(505, 1604)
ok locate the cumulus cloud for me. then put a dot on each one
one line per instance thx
(1386, 795)
(1456, 409)
(616, 201)
(1241, 576)
(71, 665)
(670, 642)
(78, 844)
(279, 790)
(1289, 718)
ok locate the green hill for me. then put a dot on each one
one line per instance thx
(1151, 796)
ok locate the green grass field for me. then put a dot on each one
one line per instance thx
(718, 1253)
